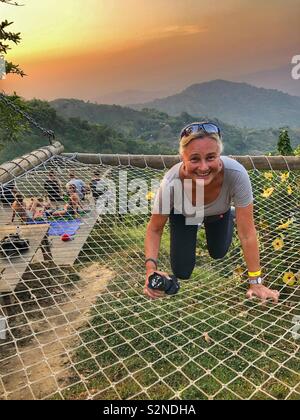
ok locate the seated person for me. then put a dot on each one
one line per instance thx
(94, 186)
(52, 187)
(38, 209)
(19, 208)
(78, 183)
(41, 201)
(47, 204)
(72, 206)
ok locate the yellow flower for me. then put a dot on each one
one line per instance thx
(286, 224)
(263, 224)
(289, 278)
(239, 270)
(289, 190)
(268, 175)
(278, 244)
(284, 176)
(267, 192)
(150, 195)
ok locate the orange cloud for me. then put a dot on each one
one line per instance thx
(172, 31)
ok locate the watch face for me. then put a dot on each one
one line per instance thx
(259, 280)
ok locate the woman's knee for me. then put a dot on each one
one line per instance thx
(218, 254)
(182, 272)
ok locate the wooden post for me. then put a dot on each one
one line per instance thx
(16, 167)
(46, 248)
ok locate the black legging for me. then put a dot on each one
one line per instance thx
(218, 230)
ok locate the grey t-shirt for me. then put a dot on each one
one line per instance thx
(236, 189)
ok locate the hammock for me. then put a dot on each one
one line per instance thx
(87, 331)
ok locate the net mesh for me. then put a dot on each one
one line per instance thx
(78, 326)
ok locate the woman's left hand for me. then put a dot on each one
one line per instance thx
(263, 293)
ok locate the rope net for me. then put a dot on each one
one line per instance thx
(77, 325)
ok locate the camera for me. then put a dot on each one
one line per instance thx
(169, 285)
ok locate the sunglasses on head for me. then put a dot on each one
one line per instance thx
(194, 128)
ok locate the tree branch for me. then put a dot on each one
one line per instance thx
(11, 3)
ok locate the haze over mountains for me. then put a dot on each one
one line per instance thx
(279, 78)
(130, 96)
(239, 104)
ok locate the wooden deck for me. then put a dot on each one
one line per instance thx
(12, 269)
(65, 253)
(5, 215)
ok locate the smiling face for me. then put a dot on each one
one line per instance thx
(201, 158)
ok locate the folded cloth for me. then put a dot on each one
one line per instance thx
(60, 227)
(36, 222)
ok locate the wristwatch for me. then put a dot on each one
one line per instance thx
(258, 280)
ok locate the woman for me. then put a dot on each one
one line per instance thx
(52, 188)
(222, 180)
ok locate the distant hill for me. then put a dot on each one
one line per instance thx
(146, 125)
(239, 104)
(86, 127)
(278, 78)
(157, 127)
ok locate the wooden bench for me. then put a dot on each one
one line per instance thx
(12, 269)
(66, 253)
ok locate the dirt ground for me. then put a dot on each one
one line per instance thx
(43, 364)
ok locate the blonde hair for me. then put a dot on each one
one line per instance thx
(184, 141)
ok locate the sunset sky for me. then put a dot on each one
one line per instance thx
(88, 48)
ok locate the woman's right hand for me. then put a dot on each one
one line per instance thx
(153, 294)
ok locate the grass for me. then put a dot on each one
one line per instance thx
(207, 342)
(196, 345)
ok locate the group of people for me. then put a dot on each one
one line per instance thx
(54, 190)
(39, 208)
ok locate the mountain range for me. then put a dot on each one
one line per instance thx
(235, 103)
(85, 126)
(156, 127)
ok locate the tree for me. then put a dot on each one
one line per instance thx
(284, 143)
(5, 38)
(11, 124)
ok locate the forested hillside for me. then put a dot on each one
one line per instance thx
(87, 127)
